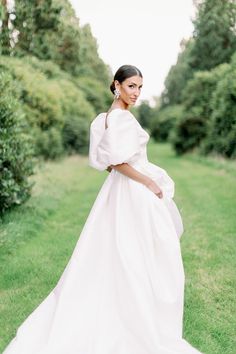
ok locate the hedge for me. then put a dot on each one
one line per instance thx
(50, 101)
(16, 163)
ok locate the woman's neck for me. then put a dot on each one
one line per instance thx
(119, 104)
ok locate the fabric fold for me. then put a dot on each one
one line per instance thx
(122, 291)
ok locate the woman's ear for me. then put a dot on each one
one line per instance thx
(117, 84)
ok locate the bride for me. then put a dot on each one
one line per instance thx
(122, 291)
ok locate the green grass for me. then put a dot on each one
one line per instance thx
(38, 238)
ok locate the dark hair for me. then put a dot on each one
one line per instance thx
(123, 73)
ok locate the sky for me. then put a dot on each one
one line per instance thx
(144, 33)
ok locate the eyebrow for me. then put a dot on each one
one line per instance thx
(133, 83)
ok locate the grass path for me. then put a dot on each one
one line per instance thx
(38, 238)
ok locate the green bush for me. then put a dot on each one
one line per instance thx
(40, 103)
(38, 94)
(188, 132)
(78, 114)
(15, 147)
(191, 129)
(75, 135)
(164, 121)
(47, 67)
(49, 143)
(50, 100)
(96, 94)
(221, 136)
(145, 114)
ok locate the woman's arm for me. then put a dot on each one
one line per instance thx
(131, 172)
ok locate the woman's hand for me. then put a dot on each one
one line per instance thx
(154, 188)
(109, 169)
(134, 174)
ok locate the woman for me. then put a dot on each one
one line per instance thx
(122, 291)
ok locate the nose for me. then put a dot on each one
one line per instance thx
(137, 92)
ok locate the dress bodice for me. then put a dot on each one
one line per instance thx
(124, 141)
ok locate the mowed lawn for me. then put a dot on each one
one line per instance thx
(38, 238)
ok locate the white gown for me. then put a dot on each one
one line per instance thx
(122, 291)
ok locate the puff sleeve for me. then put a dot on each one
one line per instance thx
(120, 141)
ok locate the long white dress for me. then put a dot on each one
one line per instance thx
(122, 291)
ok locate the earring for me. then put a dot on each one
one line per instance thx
(117, 93)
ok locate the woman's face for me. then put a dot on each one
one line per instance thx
(130, 89)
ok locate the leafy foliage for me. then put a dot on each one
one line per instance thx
(91, 64)
(5, 32)
(96, 94)
(221, 136)
(214, 33)
(201, 82)
(34, 21)
(48, 103)
(15, 147)
(178, 76)
(189, 131)
(145, 114)
(164, 121)
(76, 135)
(61, 83)
(192, 128)
(50, 30)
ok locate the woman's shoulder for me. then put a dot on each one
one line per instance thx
(121, 112)
(98, 117)
(97, 122)
(119, 116)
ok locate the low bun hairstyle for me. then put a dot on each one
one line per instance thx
(123, 73)
(112, 87)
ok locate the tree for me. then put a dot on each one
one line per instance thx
(145, 114)
(91, 64)
(4, 28)
(50, 30)
(66, 41)
(15, 147)
(221, 133)
(164, 121)
(34, 21)
(192, 127)
(178, 76)
(214, 33)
